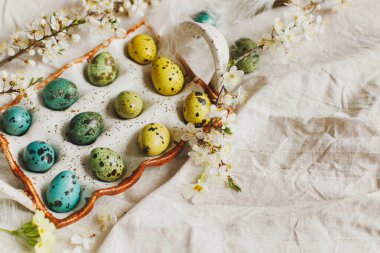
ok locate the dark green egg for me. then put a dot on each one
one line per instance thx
(60, 94)
(106, 164)
(240, 48)
(102, 69)
(85, 127)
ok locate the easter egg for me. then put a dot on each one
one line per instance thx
(60, 94)
(241, 47)
(153, 139)
(38, 156)
(85, 127)
(167, 77)
(106, 164)
(196, 107)
(142, 49)
(128, 104)
(63, 192)
(102, 69)
(16, 121)
(205, 18)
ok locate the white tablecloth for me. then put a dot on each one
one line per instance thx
(306, 153)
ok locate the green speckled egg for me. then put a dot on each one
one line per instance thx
(102, 69)
(167, 77)
(15, 121)
(196, 107)
(39, 156)
(85, 127)
(142, 49)
(128, 104)
(240, 48)
(106, 164)
(63, 193)
(154, 139)
(60, 94)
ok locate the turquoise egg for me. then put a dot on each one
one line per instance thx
(205, 18)
(16, 121)
(106, 164)
(85, 127)
(60, 94)
(39, 156)
(63, 193)
(102, 69)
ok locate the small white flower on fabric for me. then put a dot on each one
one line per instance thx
(19, 39)
(11, 52)
(83, 241)
(19, 80)
(232, 78)
(3, 50)
(200, 156)
(197, 193)
(190, 134)
(75, 37)
(106, 217)
(30, 62)
(31, 52)
(3, 74)
(35, 32)
(120, 32)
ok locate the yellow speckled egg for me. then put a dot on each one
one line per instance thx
(196, 107)
(142, 49)
(167, 77)
(153, 139)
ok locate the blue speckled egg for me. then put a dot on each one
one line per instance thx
(39, 156)
(16, 121)
(63, 193)
(60, 94)
(205, 18)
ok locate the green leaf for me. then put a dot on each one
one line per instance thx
(31, 82)
(227, 130)
(232, 184)
(203, 177)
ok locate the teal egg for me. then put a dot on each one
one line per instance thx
(60, 94)
(106, 164)
(16, 121)
(85, 127)
(205, 18)
(39, 156)
(63, 192)
(102, 69)
(241, 47)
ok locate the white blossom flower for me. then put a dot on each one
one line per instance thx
(216, 112)
(232, 78)
(35, 32)
(3, 50)
(75, 37)
(11, 51)
(4, 74)
(222, 171)
(82, 241)
(106, 217)
(19, 80)
(201, 156)
(192, 134)
(197, 193)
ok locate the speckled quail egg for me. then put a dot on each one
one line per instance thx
(167, 77)
(15, 121)
(102, 69)
(106, 164)
(142, 49)
(39, 156)
(63, 193)
(241, 47)
(128, 104)
(154, 139)
(60, 94)
(85, 127)
(196, 107)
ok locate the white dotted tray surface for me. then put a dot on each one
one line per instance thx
(119, 135)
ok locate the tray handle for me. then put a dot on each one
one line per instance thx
(218, 45)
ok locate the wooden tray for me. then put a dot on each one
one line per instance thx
(50, 126)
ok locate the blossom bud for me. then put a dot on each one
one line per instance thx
(75, 37)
